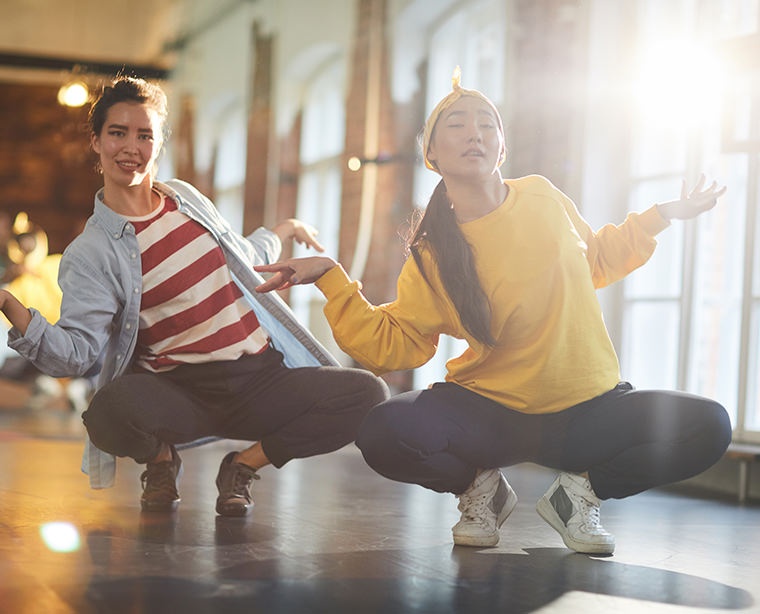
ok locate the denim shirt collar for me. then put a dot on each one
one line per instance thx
(113, 222)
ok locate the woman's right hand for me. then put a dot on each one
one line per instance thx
(18, 315)
(294, 271)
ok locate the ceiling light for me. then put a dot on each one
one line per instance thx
(73, 94)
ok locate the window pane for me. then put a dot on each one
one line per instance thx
(714, 363)
(753, 369)
(733, 18)
(324, 117)
(660, 147)
(650, 342)
(737, 112)
(319, 205)
(661, 276)
(718, 280)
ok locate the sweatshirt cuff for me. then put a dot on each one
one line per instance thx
(334, 281)
(652, 221)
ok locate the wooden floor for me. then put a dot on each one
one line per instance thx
(329, 535)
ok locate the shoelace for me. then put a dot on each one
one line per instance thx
(473, 508)
(591, 515)
(241, 483)
(157, 478)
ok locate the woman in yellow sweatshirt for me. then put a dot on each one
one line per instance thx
(511, 267)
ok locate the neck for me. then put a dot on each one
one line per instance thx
(133, 201)
(473, 200)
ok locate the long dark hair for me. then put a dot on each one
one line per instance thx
(438, 229)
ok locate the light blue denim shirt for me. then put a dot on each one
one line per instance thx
(101, 278)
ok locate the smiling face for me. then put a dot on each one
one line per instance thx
(128, 144)
(467, 139)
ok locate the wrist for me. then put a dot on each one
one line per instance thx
(662, 210)
(285, 229)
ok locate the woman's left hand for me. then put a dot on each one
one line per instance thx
(294, 271)
(693, 202)
(300, 232)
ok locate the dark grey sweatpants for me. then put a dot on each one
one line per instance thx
(628, 440)
(294, 413)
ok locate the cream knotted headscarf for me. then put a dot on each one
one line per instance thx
(457, 92)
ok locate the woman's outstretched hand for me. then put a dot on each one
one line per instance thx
(18, 315)
(693, 202)
(300, 232)
(293, 271)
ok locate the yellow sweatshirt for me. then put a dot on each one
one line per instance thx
(39, 288)
(539, 263)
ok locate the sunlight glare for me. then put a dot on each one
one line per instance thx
(60, 536)
(678, 83)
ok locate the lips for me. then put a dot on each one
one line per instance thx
(128, 165)
(473, 153)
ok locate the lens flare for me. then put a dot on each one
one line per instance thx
(60, 536)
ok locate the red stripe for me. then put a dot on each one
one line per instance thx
(175, 240)
(183, 279)
(192, 316)
(229, 335)
(169, 206)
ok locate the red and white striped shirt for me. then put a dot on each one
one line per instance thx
(192, 311)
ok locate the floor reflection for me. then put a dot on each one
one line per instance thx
(329, 535)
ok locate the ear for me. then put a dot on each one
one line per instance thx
(431, 155)
(95, 143)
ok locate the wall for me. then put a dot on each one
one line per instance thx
(46, 166)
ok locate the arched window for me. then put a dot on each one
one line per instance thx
(691, 316)
(319, 184)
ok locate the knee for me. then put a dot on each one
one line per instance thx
(717, 424)
(370, 390)
(105, 411)
(375, 435)
(376, 390)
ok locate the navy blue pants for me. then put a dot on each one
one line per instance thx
(294, 413)
(627, 440)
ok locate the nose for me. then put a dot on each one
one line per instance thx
(474, 133)
(130, 143)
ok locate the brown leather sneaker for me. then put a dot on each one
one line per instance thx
(234, 484)
(159, 482)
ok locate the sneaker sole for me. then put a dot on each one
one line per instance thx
(549, 514)
(159, 507)
(493, 539)
(233, 511)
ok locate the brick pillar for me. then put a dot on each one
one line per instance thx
(259, 121)
(370, 132)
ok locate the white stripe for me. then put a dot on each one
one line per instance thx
(184, 257)
(189, 298)
(231, 314)
(253, 345)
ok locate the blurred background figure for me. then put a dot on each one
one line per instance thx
(31, 273)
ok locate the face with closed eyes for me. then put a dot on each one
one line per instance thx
(467, 140)
(128, 144)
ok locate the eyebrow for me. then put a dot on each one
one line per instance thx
(124, 127)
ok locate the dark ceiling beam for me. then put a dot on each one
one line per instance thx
(82, 66)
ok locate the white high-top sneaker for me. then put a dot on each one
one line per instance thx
(485, 505)
(571, 507)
